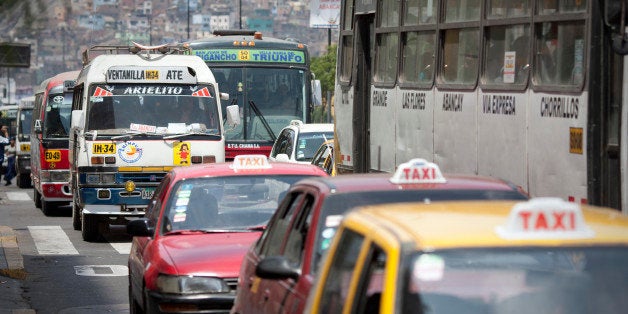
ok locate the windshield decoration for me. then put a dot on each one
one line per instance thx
(203, 92)
(100, 92)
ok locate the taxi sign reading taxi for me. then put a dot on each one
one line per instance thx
(417, 171)
(153, 74)
(545, 218)
(242, 162)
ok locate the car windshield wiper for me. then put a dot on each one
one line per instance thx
(257, 228)
(193, 231)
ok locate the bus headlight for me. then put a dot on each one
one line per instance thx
(191, 285)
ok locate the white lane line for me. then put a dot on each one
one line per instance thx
(122, 247)
(18, 196)
(52, 240)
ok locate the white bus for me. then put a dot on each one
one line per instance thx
(526, 90)
(137, 112)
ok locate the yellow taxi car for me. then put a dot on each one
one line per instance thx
(544, 255)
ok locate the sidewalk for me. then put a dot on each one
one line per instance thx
(11, 263)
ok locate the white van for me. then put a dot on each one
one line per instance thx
(137, 112)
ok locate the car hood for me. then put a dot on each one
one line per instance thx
(213, 254)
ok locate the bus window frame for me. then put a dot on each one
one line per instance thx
(442, 29)
(537, 20)
(497, 22)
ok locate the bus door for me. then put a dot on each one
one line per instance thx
(364, 47)
(622, 138)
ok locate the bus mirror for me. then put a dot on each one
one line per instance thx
(233, 115)
(316, 93)
(37, 127)
(78, 118)
(224, 96)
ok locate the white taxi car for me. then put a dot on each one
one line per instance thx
(298, 142)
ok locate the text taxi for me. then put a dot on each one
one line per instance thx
(186, 251)
(278, 271)
(541, 256)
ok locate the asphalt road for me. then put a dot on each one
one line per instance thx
(46, 267)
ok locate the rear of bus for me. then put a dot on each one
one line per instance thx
(137, 117)
(23, 142)
(50, 167)
(267, 78)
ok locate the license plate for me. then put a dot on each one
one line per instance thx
(147, 193)
(52, 155)
(104, 148)
(25, 147)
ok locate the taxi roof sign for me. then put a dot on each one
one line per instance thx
(545, 218)
(250, 162)
(417, 170)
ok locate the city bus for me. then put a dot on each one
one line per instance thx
(268, 78)
(532, 91)
(24, 120)
(138, 111)
(49, 163)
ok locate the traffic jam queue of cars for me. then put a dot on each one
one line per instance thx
(187, 250)
(540, 256)
(279, 270)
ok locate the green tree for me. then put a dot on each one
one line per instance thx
(324, 68)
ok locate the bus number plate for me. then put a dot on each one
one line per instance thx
(53, 155)
(147, 193)
(25, 147)
(104, 148)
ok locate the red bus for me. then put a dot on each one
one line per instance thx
(50, 168)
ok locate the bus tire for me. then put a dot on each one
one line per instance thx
(89, 227)
(76, 216)
(48, 208)
(37, 198)
(23, 181)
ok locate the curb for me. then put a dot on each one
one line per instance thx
(11, 262)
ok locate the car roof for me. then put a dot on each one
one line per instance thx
(310, 127)
(468, 224)
(226, 169)
(381, 181)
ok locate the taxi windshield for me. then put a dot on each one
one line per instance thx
(518, 280)
(236, 203)
(153, 108)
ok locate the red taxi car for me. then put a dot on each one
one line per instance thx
(278, 271)
(187, 250)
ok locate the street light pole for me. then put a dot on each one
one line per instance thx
(188, 19)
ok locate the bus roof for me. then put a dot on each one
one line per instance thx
(236, 41)
(97, 68)
(56, 80)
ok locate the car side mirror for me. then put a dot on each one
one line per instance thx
(276, 267)
(282, 158)
(140, 228)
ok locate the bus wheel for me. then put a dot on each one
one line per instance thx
(37, 198)
(89, 227)
(76, 216)
(48, 208)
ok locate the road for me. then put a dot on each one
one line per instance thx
(61, 273)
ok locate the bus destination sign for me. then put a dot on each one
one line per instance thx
(252, 55)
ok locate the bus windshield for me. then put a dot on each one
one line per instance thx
(272, 96)
(153, 108)
(26, 119)
(58, 115)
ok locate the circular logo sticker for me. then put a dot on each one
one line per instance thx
(130, 152)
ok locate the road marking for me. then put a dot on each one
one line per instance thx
(18, 196)
(101, 270)
(122, 247)
(52, 240)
